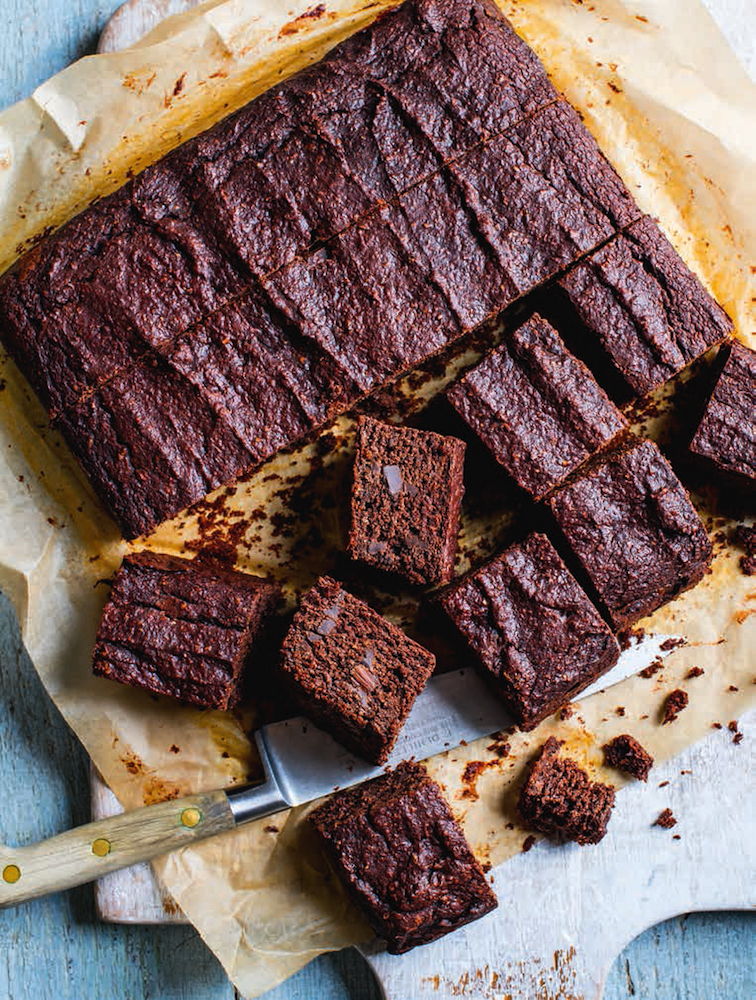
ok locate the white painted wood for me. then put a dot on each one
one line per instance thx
(566, 912)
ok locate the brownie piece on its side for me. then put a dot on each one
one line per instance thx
(560, 799)
(631, 524)
(650, 313)
(625, 753)
(352, 672)
(406, 495)
(536, 407)
(727, 433)
(403, 858)
(180, 628)
(537, 636)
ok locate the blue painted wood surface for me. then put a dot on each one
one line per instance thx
(55, 948)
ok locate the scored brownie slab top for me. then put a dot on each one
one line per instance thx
(351, 671)
(727, 432)
(631, 524)
(559, 798)
(403, 858)
(536, 635)
(536, 407)
(649, 313)
(406, 495)
(177, 627)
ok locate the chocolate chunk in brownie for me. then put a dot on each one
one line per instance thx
(181, 628)
(727, 433)
(406, 496)
(351, 671)
(626, 754)
(648, 312)
(403, 858)
(151, 445)
(536, 407)
(559, 798)
(534, 631)
(631, 524)
(745, 537)
(674, 703)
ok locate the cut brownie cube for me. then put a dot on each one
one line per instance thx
(537, 637)
(403, 858)
(352, 672)
(406, 496)
(649, 312)
(181, 628)
(625, 753)
(631, 524)
(559, 799)
(727, 433)
(536, 407)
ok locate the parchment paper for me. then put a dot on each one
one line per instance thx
(677, 116)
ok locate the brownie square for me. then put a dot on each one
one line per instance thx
(406, 495)
(536, 635)
(177, 627)
(727, 433)
(352, 672)
(559, 799)
(536, 407)
(631, 524)
(648, 311)
(403, 858)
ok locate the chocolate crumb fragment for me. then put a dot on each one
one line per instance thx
(566, 713)
(528, 843)
(694, 672)
(665, 820)
(675, 836)
(733, 727)
(745, 537)
(663, 784)
(620, 710)
(716, 725)
(676, 701)
(626, 754)
(732, 688)
(651, 669)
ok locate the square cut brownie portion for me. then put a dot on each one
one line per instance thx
(559, 799)
(351, 671)
(536, 407)
(406, 496)
(650, 314)
(631, 524)
(536, 635)
(727, 433)
(176, 627)
(403, 858)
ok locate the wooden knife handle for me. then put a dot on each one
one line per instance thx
(86, 853)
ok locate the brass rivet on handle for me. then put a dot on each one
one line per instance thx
(11, 873)
(100, 847)
(191, 816)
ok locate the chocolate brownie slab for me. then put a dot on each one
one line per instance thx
(536, 635)
(352, 672)
(403, 858)
(536, 407)
(727, 433)
(649, 313)
(559, 798)
(631, 524)
(152, 446)
(406, 496)
(176, 627)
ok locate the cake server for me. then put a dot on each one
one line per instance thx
(300, 763)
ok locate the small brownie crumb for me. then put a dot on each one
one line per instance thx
(528, 843)
(694, 672)
(625, 753)
(631, 524)
(737, 735)
(403, 858)
(536, 407)
(726, 435)
(177, 627)
(406, 496)
(745, 537)
(560, 799)
(352, 672)
(651, 669)
(537, 637)
(665, 820)
(676, 701)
